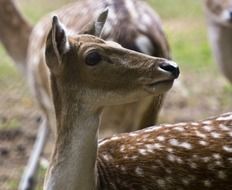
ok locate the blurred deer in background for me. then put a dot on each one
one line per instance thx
(219, 20)
(190, 156)
(131, 23)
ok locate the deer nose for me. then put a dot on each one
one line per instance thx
(171, 67)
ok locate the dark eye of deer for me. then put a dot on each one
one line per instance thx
(93, 58)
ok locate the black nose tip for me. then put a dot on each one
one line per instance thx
(171, 67)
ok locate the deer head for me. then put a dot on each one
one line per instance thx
(88, 73)
(219, 11)
(104, 72)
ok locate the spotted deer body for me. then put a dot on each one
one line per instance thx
(88, 73)
(219, 21)
(187, 156)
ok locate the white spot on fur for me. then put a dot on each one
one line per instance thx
(207, 122)
(168, 171)
(114, 138)
(150, 129)
(161, 183)
(227, 148)
(225, 118)
(134, 157)
(103, 142)
(230, 160)
(230, 134)
(215, 135)
(181, 129)
(195, 156)
(174, 142)
(179, 160)
(186, 145)
(185, 181)
(207, 183)
(221, 175)
(216, 156)
(194, 124)
(144, 44)
(122, 148)
(218, 163)
(180, 124)
(206, 159)
(171, 157)
(193, 165)
(142, 151)
(203, 143)
(201, 135)
(146, 19)
(207, 128)
(106, 157)
(123, 169)
(133, 134)
(224, 128)
(169, 150)
(157, 146)
(161, 138)
(149, 147)
(139, 171)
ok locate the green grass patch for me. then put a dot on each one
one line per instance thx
(34, 10)
(12, 184)
(169, 9)
(10, 124)
(189, 45)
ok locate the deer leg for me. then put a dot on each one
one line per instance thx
(28, 180)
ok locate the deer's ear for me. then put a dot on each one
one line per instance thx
(56, 45)
(96, 27)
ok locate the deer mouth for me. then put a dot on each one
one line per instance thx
(159, 86)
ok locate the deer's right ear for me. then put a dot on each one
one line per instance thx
(56, 45)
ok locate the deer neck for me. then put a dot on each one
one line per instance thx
(74, 157)
(14, 32)
(221, 41)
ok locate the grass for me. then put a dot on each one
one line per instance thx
(10, 124)
(12, 184)
(34, 14)
(175, 9)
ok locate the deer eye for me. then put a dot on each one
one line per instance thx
(93, 58)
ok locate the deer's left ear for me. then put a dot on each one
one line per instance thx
(96, 27)
(56, 45)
